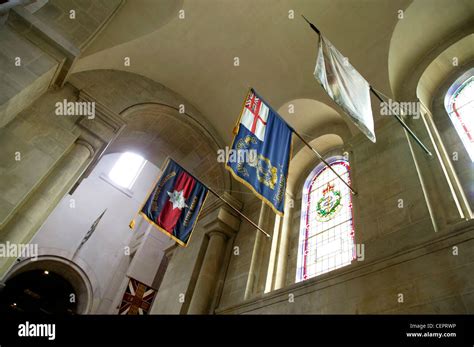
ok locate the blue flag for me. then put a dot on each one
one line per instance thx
(175, 202)
(261, 152)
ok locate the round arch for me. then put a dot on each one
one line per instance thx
(443, 67)
(304, 160)
(313, 118)
(419, 38)
(63, 267)
(157, 131)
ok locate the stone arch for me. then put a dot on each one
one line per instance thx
(442, 68)
(321, 125)
(121, 90)
(304, 161)
(313, 118)
(157, 131)
(67, 269)
(431, 90)
(159, 122)
(418, 38)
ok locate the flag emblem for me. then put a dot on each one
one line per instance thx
(177, 199)
(262, 130)
(137, 298)
(175, 202)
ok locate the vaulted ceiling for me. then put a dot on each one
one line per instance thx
(195, 56)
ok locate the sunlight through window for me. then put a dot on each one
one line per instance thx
(327, 231)
(459, 103)
(126, 169)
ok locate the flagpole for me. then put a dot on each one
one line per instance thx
(403, 124)
(236, 210)
(311, 25)
(324, 161)
(307, 144)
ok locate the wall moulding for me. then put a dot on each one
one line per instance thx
(457, 235)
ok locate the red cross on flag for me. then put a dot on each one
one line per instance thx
(255, 115)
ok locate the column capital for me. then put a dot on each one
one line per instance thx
(218, 233)
(216, 204)
(81, 141)
(219, 227)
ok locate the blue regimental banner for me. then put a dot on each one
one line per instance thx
(262, 131)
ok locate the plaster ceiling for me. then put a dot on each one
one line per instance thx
(442, 67)
(195, 56)
(427, 27)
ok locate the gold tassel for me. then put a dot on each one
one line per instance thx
(132, 224)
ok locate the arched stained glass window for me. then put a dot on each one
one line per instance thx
(459, 103)
(326, 228)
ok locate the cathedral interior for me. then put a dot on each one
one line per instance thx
(96, 95)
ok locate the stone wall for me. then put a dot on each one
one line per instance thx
(38, 50)
(404, 254)
(25, 79)
(195, 274)
(427, 279)
(42, 155)
(89, 17)
(30, 146)
(241, 257)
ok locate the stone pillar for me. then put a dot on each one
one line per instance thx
(91, 138)
(282, 260)
(261, 248)
(208, 275)
(21, 228)
(196, 273)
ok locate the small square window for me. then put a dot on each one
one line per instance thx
(126, 170)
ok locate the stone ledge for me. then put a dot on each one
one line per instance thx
(47, 39)
(455, 235)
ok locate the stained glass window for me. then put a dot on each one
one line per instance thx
(326, 228)
(459, 103)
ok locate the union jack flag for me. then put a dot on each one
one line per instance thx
(137, 298)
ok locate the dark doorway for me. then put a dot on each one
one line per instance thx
(38, 291)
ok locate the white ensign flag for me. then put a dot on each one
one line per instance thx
(345, 86)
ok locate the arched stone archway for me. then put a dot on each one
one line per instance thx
(432, 89)
(313, 118)
(159, 123)
(418, 58)
(419, 38)
(304, 160)
(452, 60)
(157, 131)
(62, 268)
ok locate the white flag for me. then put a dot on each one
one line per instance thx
(345, 86)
